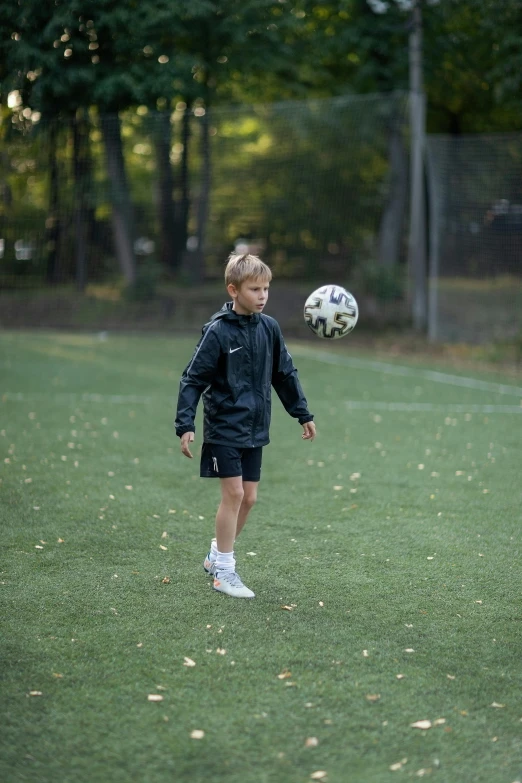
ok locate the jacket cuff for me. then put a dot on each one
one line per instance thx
(182, 430)
(305, 419)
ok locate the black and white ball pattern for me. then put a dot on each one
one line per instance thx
(331, 312)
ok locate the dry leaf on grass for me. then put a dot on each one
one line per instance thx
(35, 693)
(320, 774)
(495, 704)
(155, 697)
(311, 742)
(284, 675)
(421, 724)
(398, 765)
(372, 697)
(165, 580)
(197, 734)
(188, 661)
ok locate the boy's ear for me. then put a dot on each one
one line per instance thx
(232, 290)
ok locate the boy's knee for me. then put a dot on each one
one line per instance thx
(250, 498)
(235, 495)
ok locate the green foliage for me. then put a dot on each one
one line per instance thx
(385, 284)
(116, 55)
(148, 276)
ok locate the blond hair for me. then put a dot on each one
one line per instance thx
(241, 267)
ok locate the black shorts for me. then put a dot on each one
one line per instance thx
(228, 461)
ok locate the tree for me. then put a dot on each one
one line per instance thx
(92, 54)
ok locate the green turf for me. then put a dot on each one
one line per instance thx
(395, 530)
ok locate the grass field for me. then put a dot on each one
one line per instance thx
(385, 557)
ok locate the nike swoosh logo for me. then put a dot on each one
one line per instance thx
(233, 350)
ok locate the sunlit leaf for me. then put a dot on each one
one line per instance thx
(421, 724)
(398, 765)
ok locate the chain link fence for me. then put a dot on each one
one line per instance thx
(318, 188)
(475, 194)
(308, 184)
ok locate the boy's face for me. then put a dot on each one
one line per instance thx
(250, 297)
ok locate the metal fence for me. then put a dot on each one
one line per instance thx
(475, 193)
(319, 188)
(307, 183)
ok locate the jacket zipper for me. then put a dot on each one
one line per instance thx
(250, 329)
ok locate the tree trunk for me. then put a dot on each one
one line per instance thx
(183, 204)
(53, 224)
(120, 196)
(6, 200)
(198, 258)
(82, 180)
(162, 138)
(390, 231)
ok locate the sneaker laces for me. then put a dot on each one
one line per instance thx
(231, 577)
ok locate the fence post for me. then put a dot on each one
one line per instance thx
(434, 244)
(417, 240)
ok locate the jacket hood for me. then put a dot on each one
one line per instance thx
(228, 314)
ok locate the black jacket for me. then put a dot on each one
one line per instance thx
(235, 363)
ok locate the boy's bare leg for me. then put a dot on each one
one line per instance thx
(232, 496)
(249, 499)
(226, 579)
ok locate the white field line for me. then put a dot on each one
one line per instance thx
(412, 372)
(135, 399)
(110, 399)
(430, 407)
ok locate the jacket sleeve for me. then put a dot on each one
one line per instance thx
(286, 383)
(198, 374)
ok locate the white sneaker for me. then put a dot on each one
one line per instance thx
(229, 582)
(209, 565)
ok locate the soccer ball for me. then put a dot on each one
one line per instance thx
(331, 312)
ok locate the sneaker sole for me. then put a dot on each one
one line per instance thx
(232, 595)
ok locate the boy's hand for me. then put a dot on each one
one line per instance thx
(186, 438)
(308, 430)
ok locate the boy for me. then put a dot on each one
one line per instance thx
(239, 357)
